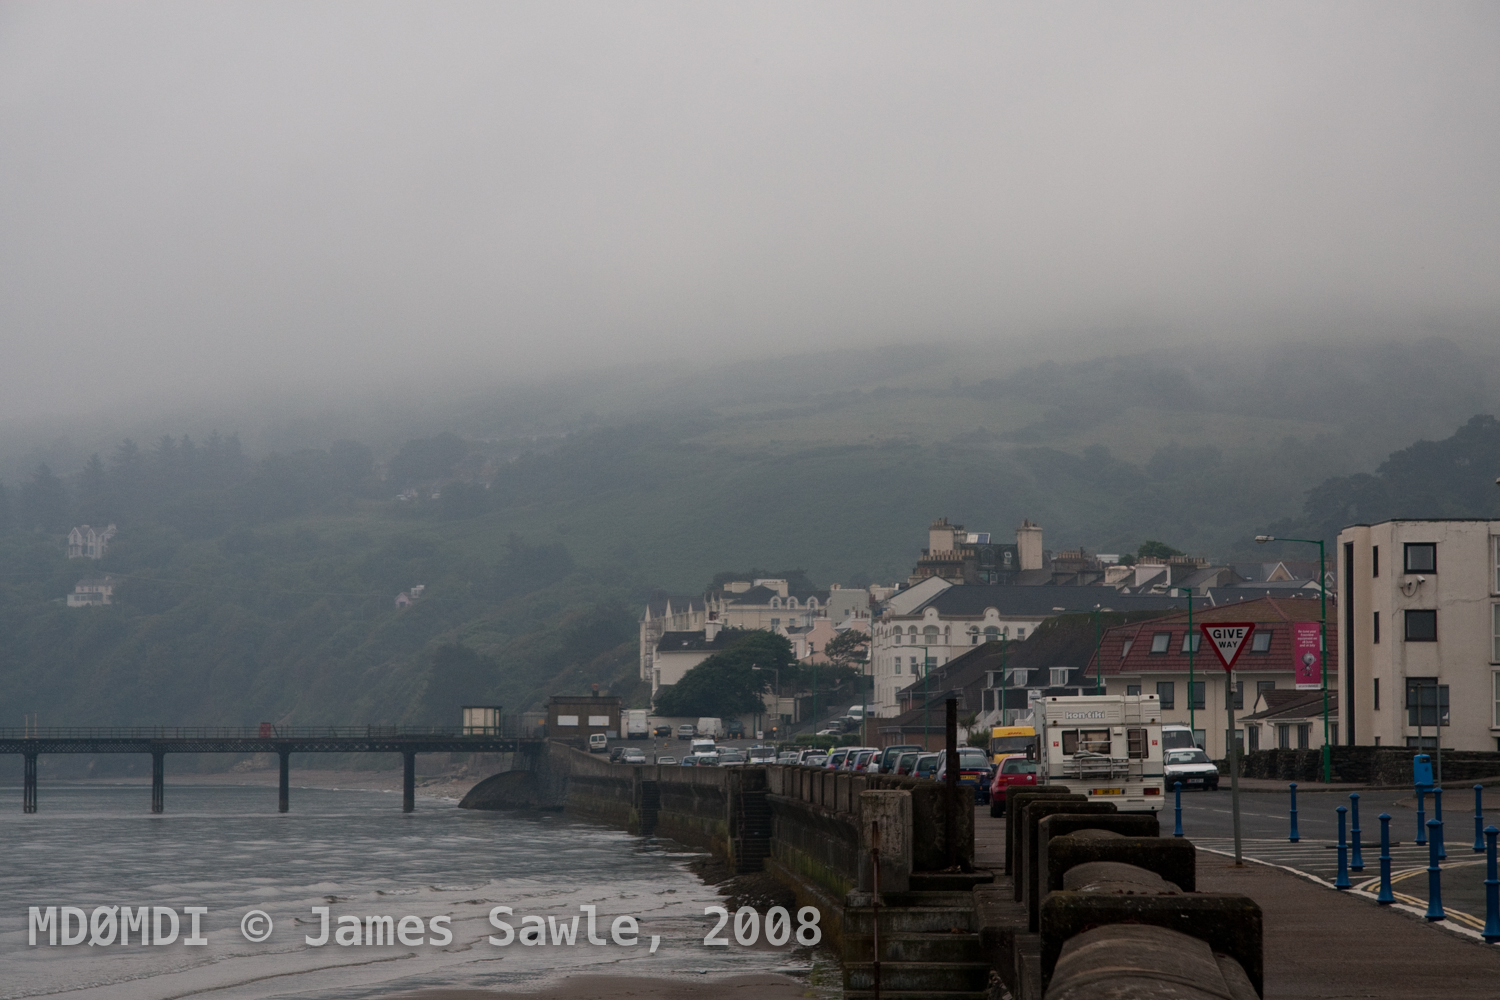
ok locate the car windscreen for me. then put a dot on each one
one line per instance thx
(1187, 757)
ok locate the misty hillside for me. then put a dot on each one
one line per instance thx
(259, 585)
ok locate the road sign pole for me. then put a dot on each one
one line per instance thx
(1228, 640)
(1234, 770)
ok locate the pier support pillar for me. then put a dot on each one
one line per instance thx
(29, 796)
(284, 803)
(158, 781)
(408, 781)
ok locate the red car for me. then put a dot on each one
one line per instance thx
(1014, 770)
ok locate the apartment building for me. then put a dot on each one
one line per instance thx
(1419, 646)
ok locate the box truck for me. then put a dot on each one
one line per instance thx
(708, 726)
(1107, 747)
(635, 724)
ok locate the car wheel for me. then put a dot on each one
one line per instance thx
(995, 810)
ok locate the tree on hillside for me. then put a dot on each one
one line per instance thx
(728, 683)
(851, 646)
(1150, 549)
(458, 676)
(426, 459)
(44, 502)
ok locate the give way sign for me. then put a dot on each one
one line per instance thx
(1228, 640)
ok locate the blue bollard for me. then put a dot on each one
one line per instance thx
(1178, 831)
(1437, 814)
(1434, 875)
(1386, 896)
(1491, 888)
(1421, 815)
(1478, 819)
(1357, 863)
(1295, 836)
(1342, 882)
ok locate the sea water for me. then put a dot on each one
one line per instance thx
(226, 849)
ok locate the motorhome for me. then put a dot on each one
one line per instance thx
(1107, 747)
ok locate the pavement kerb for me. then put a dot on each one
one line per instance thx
(1338, 786)
(1419, 915)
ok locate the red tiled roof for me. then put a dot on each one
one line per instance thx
(1275, 613)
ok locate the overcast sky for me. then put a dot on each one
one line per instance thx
(212, 198)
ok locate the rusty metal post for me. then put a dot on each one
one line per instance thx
(284, 803)
(951, 834)
(409, 781)
(158, 781)
(28, 803)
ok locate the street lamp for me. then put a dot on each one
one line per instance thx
(1322, 640)
(777, 672)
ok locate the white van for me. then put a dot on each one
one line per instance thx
(598, 743)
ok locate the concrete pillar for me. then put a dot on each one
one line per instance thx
(28, 801)
(408, 781)
(892, 810)
(284, 803)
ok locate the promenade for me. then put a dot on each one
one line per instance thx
(1321, 943)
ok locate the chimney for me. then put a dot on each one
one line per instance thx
(1029, 545)
(711, 630)
(596, 690)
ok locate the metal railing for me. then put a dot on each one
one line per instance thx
(509, 728)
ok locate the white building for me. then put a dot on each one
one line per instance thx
(1419, 644)
(85, 542)
(92, 591)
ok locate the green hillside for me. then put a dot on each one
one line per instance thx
(259, 585)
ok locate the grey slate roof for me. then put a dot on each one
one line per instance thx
(971, 600)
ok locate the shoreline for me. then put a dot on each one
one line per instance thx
(445, 786)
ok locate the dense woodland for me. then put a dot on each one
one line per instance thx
(261, 587)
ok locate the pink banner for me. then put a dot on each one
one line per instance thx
(1307, 655)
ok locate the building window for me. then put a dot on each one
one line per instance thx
(898, 665)
(1020, 632)
(1495, 633)
(1260, 641)
(1059, 677)
(1238, 692)
(1196, 693)
(1125, 647)
(1421, 626)
(1135, 689)
(914, 666)
(1304, 735)
(1495, 717)
(1426, 702)
(1160, 643)
(777, 621)
(1284, 737)
(1376, 700)
(1375, 629)
(1190, 641)
(1167, 692)
(1254, 738)
(1375, 561)
(989, 701)
(1421, 557)
(1019, 676)
(1495, 564)
(1261, 687)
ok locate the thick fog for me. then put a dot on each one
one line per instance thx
(200, 200)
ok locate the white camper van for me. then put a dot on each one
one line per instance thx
(1107, 747)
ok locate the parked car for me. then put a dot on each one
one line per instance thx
(663, 732)
(665, 759)
(861, 759)
(598, 743)
(727, 757)
(974, 769)
(633, 755)
(891, 754)
(906, 763)
(835, 759)
(734, 729)
(615, 753)
(686, 732)
(830, 732)
(926, 765)
(786, 758)
(762, 754)
(1014, 770)
(816, 760)
(1192, 768)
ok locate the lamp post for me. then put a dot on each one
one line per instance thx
(926, 700)
(777, 672)
(1098, 660)
(1322, 640)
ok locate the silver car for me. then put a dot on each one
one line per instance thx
(1192, 768)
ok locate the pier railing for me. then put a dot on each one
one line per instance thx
(509, 727)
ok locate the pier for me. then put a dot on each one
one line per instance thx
(511, 735)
